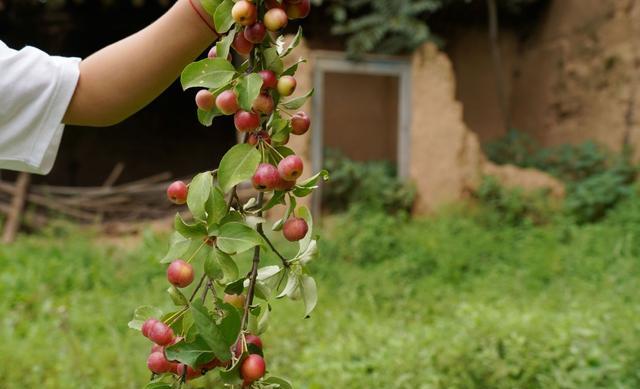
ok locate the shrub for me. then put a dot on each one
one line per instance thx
(369, 184)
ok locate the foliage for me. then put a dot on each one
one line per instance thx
(373, 184)
(596, 179)
(454, 303)
(393, 27)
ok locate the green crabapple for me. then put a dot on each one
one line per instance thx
(286, 85)
(295, 229)
(180, 273)
(177, 192)
(290, 167)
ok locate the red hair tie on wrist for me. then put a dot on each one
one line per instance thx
(202, 17)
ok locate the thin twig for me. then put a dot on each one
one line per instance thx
(206, 288)
(253, 276)
(285, 263)
(195, 291)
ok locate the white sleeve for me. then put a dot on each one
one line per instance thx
(35, 91)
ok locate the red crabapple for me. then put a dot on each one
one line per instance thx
(255, 33)
(241, 44)
(269, 79)
(246, 121)
(253, 368)
(254, 137)
(300, 10)
(177, 192)
(284, 185)
(295, 229)
(146, 326)
(191, 372)
(180, 273)
(205, 100)
(161, 334)
(287, 85)
(275, 19)
(244, 13)
(290, 167)
(227, 102)
(266, 177)
(273, 4)
(263, 104)
(300, 123)
(157, 363)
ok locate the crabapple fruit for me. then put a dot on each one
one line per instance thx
(284, 185)
(287, 85)
(237, 300)
(255, 33)
(157, 363)
(295, 229)
(244, 13)
(241, 44)
(255, 137)
(246, 121)
(205, 100)
(146, 326)
(274, 4)
(275, 19)
(180, 273)
(191, 373)
(177, 192)
(269, 79)
(300, 123)
(253, 368)
(161, 334)
(298, 10)
(266, 177)
(263, 104)
(290, 167)
(227, 102)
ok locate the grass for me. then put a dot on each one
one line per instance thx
(447, 302)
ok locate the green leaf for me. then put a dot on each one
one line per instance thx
(277, 198)
(281, 382)
(309, 293)
(247, 89)
(178, 246)
(298, 101)
(210, 5)
(235, 287)
(237, 165)
(236, 238)
(199, 190)
(194, 353)
(222, 18)
(280, 130)
(291, 70)
(158, 385)
(294, 43)
(304, 213)
(206, 117)
(196, 230)
(263, 322)
(177, 297)
(216, 206)
(231, 376)
(307, 186)
(293, 282)
(216, 336)
(309, 253)
(224, 45)
(142, 314)
(207, 73)
(273, 61)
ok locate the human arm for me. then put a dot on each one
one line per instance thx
(122, 78)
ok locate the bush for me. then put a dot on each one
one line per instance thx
(596, 179)
(367, 184)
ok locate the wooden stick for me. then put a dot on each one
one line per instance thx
(17, 204)
(115, 174)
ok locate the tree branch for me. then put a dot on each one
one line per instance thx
(253, 276)
(282, 258)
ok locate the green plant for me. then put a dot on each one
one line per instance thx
(371, 184)
(199, 336)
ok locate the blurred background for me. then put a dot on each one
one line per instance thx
(480, 228)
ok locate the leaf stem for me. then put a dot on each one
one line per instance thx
(196, 252)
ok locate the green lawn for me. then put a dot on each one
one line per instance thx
(447, 302)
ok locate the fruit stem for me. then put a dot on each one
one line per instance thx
(253, 276)
(282, 258)
(195, 291)
(196, 252)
